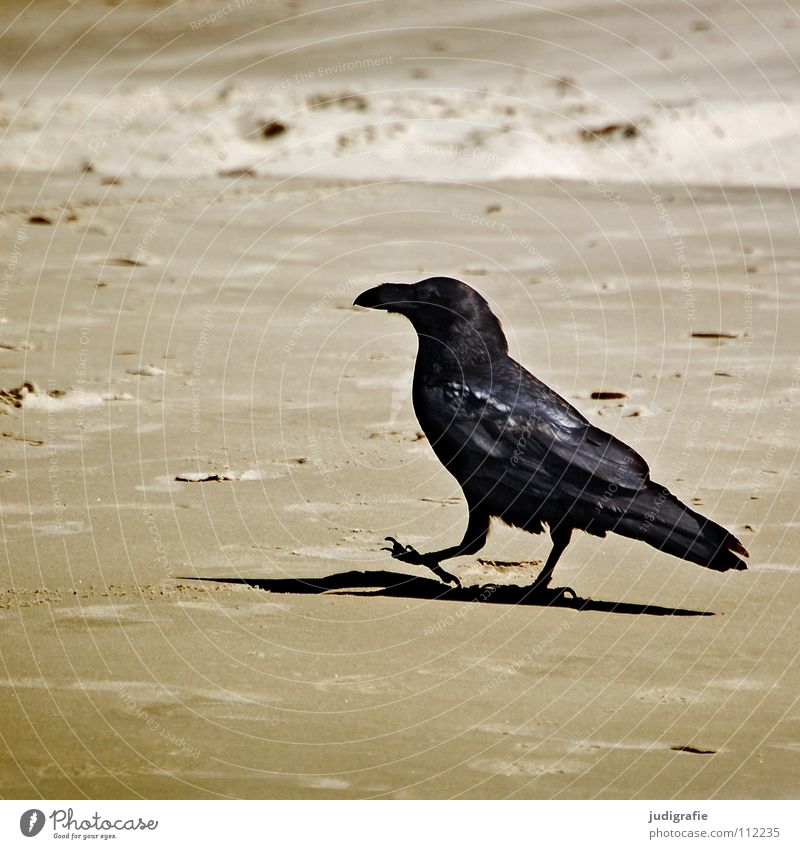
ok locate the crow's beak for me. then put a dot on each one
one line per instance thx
(393, 297)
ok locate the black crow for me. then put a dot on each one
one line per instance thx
(519, 451)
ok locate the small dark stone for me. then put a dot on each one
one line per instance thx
(273, 128)
(607, 396)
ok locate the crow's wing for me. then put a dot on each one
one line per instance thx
(508, 424)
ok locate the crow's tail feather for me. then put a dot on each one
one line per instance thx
(656, 516)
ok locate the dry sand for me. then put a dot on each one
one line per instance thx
(243, 636)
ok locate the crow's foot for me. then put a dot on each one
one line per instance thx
(551, 594)
(409, 554)
(406, 553)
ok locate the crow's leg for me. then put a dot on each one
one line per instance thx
(474, 540)
(561, 537)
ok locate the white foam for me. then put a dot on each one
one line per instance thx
(421, 133)
(73, 400)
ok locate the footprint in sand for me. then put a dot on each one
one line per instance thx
(229, 475)
(146, 371)
(53, 529)
(527, 766)
(97, 615)
(162, 483)
(138, 259)
(322, 782)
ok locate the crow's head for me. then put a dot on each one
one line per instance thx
(443, 310)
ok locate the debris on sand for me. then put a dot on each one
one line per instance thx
(146, 371)
(7, 435)
(509, 564)
(602, 395)
(134, 260)
(30, 396)
(204, 477)
(14, 397)
(269, 129)
(627, 130)
(694, 750)
(237, 172)
(17, 346)
(199, 477)
(344, 100)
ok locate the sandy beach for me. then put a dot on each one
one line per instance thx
(204, 443)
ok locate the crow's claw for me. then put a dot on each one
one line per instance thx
(406, 553)
(445, 576)
(551, 594)
(409, 554)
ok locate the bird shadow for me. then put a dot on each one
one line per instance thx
(396, 585)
